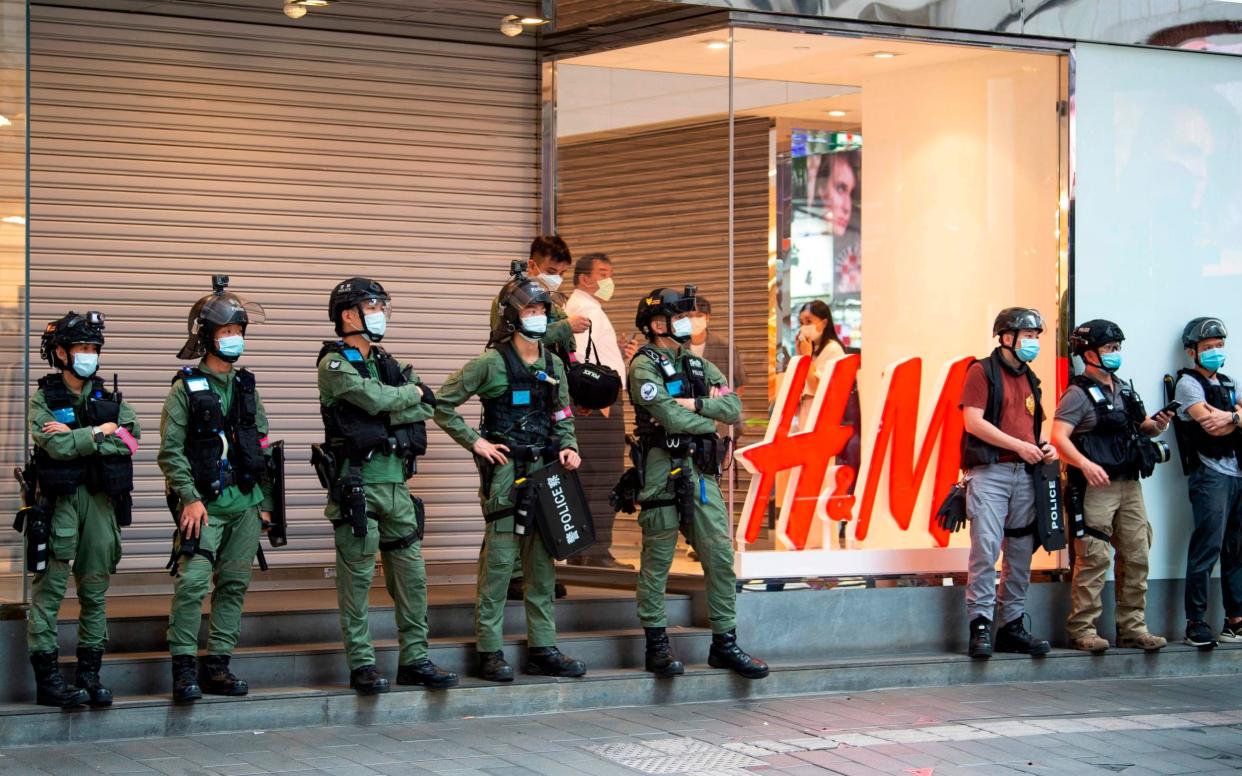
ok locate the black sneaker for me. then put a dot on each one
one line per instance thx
(367, 680)
(980, 638)
(1014, 637)
(1198, 634)
(1231, 633)
(426, 673)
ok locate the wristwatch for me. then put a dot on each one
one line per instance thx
(99, 435)
(1235, 418)
(698, 404)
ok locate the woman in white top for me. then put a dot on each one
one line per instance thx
(817, 338)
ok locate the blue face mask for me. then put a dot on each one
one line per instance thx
(231, 348)
(1213, 359)
(1110, 362)
(85, 364)
(1027, 350)
(375, 324)
(534, 326)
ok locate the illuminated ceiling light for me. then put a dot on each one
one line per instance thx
(717, 45)
(311, 3)
(295, 11)
(837, 114)
(883, 54)
(19, 220)
(532, 21)
(512, 25)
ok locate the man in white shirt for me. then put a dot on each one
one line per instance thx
(601, 433)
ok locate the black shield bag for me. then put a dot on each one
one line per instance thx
(562, 516)
(591, 384)
(1049, 507)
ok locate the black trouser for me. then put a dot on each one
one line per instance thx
(602, 441)
(1216, 502)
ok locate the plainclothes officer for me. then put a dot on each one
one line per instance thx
(84, 438)
(1211, 422)
(527, 424)
(1002, 444)
(1100, 431)
(375, 409)
(678, 398)
(213, 453)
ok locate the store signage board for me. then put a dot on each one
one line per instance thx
(898, 465)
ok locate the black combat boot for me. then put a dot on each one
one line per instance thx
(980, 638)
(427, 674)
(660, 658)
(366, 680)
(1013, 637)
(725, 653)
(494, 668)
(87, 676)
(185, 679)
(215, 678)
(51, 689)
(550, 661)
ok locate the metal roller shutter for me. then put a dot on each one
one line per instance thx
(166, 149)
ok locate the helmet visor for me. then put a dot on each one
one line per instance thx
(376, 304)
(226, 308)
(1212, 328)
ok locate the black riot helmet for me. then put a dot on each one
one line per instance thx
(219, 308)
(665, 303)
(353, 293)
(68, 330)
(1094, 335)
(519, 292)
(1016, 319)
(1201, 329)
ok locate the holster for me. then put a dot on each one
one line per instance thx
(36, 523)
(182, 545)
(353, 501)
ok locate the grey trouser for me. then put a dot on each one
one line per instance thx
(999, 496)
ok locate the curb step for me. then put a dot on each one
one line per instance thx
(142, 715)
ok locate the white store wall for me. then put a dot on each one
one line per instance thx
(1159, 225)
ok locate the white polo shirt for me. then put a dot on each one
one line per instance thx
(602, 334)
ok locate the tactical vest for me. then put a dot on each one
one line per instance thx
(111, 475)
(522, 416)
(355, 433)
(1222, 397)
(211, 431)
(1111, 443)
(685, 381)
(976, 452)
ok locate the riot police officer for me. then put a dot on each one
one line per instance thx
(1101, 430)
(82, 473)
(374, 411)
(1210, 429)
(213, 453)
(527, 424)
(1003, 414)
(678, 398)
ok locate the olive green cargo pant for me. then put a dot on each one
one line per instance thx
(234, 541)
(84, 534)
(709, 534)
(391, 516)
(504, 552)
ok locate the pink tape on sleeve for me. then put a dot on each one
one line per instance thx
(263, 443)
(128, 439)
(568, 412)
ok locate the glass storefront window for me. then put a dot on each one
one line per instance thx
(13, 107)
(959, 148)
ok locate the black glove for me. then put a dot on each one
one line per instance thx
(952, 513)
(429, 396)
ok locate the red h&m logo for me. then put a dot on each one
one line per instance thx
(818, 489)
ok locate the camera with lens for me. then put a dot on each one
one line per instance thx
(517, 268)
(219, 283)
(95, 319)
(1151, 452)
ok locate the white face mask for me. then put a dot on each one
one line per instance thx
(605, 290)
(534, 326)
(553, 282)
(682, 329)
(809, 332)
(375, 324)
(698, 325)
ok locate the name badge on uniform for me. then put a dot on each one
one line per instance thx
(675, 387)
(521, 398)
(196, 384)
(65, 415)
(352, 354)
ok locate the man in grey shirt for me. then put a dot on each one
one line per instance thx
(1210, 423)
